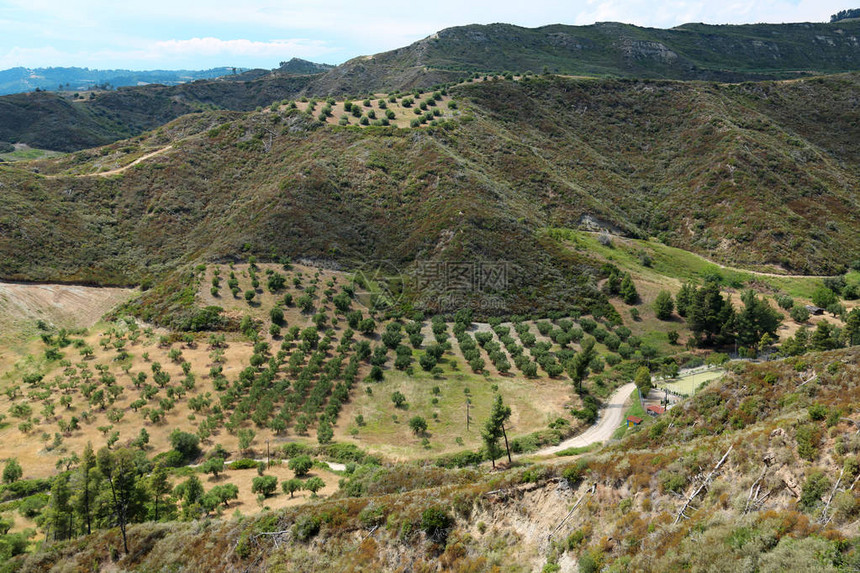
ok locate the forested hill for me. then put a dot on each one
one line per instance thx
(60, 122)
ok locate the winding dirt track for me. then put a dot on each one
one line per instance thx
(609, 420)
(118, 169)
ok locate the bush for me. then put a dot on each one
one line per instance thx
(814, 487)
(185, 443)
(171, 459)
(808, 436)
(672, 482)
(265, 485)
(32, 506)
(306, 527)
(418, 425)
(435, 523)
(799, 314)
(817, 412)
(664, 305)
(243, 464)
(12, 472)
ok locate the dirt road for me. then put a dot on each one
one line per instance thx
(609, 420)
(118, 169)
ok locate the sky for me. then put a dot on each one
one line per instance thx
(201, 34)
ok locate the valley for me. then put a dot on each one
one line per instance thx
(569, 298)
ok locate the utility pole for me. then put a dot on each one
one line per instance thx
(468, 418)
(268, 465)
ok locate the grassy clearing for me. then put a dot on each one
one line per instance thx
(24, 152)
(578, 451)
(672, 265)
(688, 385)
(386, 428)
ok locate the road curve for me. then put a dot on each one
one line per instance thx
(608, 421)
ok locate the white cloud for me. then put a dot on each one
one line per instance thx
(170, 33)
(170, 53)
(241, 48)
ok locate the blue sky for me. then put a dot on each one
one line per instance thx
(198, 34)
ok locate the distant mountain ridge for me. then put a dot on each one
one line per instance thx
(20, 79)
(726, 53)
(699, 52)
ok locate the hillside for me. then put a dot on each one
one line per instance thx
(769, 491)
(738, 172)
(689, 52)
(61, 122)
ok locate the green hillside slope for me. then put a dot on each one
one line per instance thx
(711, 168)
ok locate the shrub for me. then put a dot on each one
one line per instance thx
(243, 464)
(418, 425)
(399, 399)
(817, 412)
(306, 527)
(314, 484)
(435, 522)
(814, 487)
(799, 314)
(664, 305)
(171, 459)
(185, 443)
(808, 436)
(672, 482)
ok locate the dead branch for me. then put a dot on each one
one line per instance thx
(590, 491)
(824, 519)
(704, 485)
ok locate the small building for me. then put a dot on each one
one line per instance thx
(814, 310)
(633, 421)
(655, 410)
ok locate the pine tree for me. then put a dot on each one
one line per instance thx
(685, 298)
(711, 315)
(577, 368)
(494, 429)
(119, 470)
(59, 517)
(628, 290)
(159, 486)
(663, 305)
(755, 320)
(86, 486)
